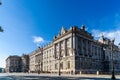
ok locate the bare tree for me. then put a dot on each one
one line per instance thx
(0, 2)
(1, 30)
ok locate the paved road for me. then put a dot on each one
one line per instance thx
(51, 77)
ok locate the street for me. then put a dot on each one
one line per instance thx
(47, 78)
(23, 76)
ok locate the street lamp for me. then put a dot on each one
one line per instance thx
(59, 59)
(59, 68)
(113, 72)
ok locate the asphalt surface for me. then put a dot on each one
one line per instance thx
(49, 78)
(26, 76)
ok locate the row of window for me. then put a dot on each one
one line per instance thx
(61, 65)
(48, 67)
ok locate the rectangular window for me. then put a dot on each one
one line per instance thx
(56, 66)
(67, 52)
(68, 43)
(68, 64)
(62, 53)
(61, 65)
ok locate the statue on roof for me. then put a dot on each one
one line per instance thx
(83, 27)
(63, 30)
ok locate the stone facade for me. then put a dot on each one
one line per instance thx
(75, 51)
(13, 64)
(72, 51)
(36, 60)
(110, 50)
(17, 63)
(25, 63)
(32, 62)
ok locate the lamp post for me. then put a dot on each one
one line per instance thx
(113, 72)
(119, 46)
(59, 64)
(58, 58)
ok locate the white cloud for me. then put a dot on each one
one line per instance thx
(112, 22)
(96, 33)
(39, 41)
(109, 34)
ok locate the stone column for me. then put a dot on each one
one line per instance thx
(76, 45)
(81, 40)
(74, 41)
(59, 48)
(54, 50)
(86, 47)
(97, 52)
(59, 54)
(65, 47)
(91, 48)
(100, 53)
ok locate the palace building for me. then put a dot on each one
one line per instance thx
(72, 51)
(75, 51)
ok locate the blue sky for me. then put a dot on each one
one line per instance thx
(29, 23)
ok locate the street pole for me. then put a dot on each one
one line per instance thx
(59, 59)
(59, 67)
(113, 72)
(39, 67)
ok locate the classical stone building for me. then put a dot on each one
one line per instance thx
(13, 64)
(17, 63)
(75, 51)
(25, 63)
(36, 60)
(109, 50)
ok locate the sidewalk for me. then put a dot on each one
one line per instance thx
(56, 75)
